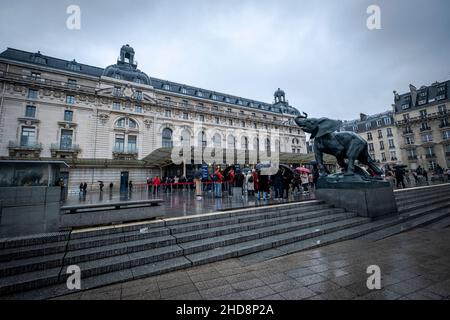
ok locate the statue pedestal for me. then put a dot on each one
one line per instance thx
(370, 198)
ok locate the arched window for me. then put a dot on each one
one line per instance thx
(167, 138)
(256, 144)
(185, 138)
(217, 141)
(267, 146)
(231, 142)
(244, 143)
(124, 123)
(202, 139)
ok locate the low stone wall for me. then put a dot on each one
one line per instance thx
(29, 210)
(105, 217)
(29, 196)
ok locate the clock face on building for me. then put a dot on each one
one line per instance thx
(128, 92)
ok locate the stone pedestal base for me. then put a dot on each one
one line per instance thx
(372, 199)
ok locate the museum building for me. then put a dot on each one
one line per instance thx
(117, 124)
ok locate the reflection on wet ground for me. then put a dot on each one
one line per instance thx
(184, 202)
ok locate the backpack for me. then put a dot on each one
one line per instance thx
(250, 179)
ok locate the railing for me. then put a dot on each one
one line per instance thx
(412, 157)
(64, 147)
(44, 82)
(128, 151)
(421, 118)
(29, 145)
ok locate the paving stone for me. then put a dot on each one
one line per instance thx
(187, 296)
(298, 294)
(285, 285)
(258, 292)
(338, 294)
(248, 284)
(323, 287)
(272, 297)
(174, 282)
(213, 283)
(217, 291)
(380, 295)
(299, 272)
(149, 295)
(179, 290)
(275, 278)
(311, 279)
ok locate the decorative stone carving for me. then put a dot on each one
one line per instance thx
(103, 118)
(148, 123)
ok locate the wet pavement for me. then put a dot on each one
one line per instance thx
(414, 266)
(184, 202)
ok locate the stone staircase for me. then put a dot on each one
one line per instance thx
(35, 267)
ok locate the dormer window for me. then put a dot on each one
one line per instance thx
(183, 90)
(38, 58)
(239, 102)
(227, 99)
(214, 97)
(441, 92)
(166, 87)
(138, 80)
(199, 94)
(73, 66)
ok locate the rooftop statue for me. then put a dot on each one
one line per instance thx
(347, 147)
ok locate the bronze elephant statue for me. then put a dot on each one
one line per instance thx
(343, 145)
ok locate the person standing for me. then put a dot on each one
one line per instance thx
(130, 185)
(286, 184)
(85, 188)
(81, 188)
(250, 184)
(156, 184)
(305, 182)
(255, 181)
(278, 185)
(263, 185)
(218, 179)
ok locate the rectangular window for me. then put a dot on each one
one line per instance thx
(119, 143)
(446, 135)
(389, 132)
(370, 146)
(391, 143)
(70, 99)
(217, 120)
(117, 92)
(184, 103)
(243, 124)
(168, 113)
(202, 118)
(368, 125)
(132, 145)
(423, 113)
(380, 134)
(30, 111)
(138, 95)
(387, 121)
(138, 108)
(28, 136)
(185, 116)
(32, 94)
(393, 156)
(442, 109)
(35, 75)
(71, 83)
(68, 115)
(378, 123)
(167, 101)
(230, 122)
(116, 106)
(381, 145)
(369, 136)
(409, 140)
(383, 156)
(66, 139)
(427, 137)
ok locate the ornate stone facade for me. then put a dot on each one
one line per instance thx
(103, 122)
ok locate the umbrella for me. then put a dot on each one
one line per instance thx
(198, 174)
(302, 170)
(287, 169)
(227, 170)
(259, 166)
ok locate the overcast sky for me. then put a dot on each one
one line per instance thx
(320, 52)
